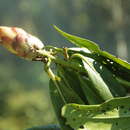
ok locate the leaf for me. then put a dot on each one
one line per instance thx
(108, 77)
(99, 86)
(72, 81)
(62, 94)
(81, 42)
(118, 66)
(48, 127)
(87, 86)
(111, 115)
(115, 59)
(58, 103)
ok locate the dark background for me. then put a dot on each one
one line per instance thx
(24, 98)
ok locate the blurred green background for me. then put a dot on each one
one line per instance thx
(24, 97)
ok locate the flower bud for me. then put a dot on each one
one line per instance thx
(19, 42)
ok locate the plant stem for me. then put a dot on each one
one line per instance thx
(72, 65)
(54, 78)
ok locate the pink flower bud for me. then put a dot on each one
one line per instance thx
(19, 42)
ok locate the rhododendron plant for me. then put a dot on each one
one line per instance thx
(88, 88)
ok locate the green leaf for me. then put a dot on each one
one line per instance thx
(81, 42)
(115, 87)
(99, 86)
(115, 59)
(48, 127)
(58, 103)
(72, 81)
(118, 66)
(62, 94)
(111, 115)
(87, 86)
(67, 91)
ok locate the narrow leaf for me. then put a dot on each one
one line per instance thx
(58, 103)
(81, 42)
(72, 81)
(90, 95)
(99, 86)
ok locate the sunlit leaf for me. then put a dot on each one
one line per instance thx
(81, 42)
(99, 86)
(111, 115)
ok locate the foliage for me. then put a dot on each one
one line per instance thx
(95, 20)
(98, 103)
(86, 64)
(111, 115)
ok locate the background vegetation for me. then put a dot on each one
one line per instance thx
(24, 99)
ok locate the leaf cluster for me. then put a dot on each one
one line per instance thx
(93, 97)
